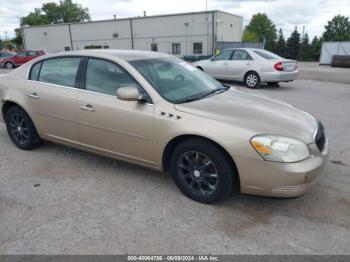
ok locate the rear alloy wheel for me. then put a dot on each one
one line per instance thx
(252, 80)
(202, 171)
(9, 65)
(21, 129)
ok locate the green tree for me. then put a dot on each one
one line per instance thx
(264, 28)
(293, 44)
(250, 37)
(338, 29)
(51, 13)
(316, 45)
(281, 44)
(35, 18)
(305, 50)
(18, 41)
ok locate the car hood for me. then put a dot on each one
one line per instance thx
(254, 112)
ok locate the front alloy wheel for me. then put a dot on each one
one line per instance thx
(9, 65)
(202, 170)
(198, 173)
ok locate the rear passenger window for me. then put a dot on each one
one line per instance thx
(60, 71)
(241, 55)
(105, 77)
(34, 72)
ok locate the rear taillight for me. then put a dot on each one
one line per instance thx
(278, 66)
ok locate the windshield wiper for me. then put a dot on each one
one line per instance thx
(212, 92)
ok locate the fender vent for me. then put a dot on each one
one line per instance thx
(170, 115)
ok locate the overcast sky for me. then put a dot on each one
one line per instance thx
(286, 14)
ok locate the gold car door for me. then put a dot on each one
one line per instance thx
(52, 98)
(110, 125)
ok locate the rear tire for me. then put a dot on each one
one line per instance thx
(21, 129)
(252, 80)
(274, 84)
(202, 171)
(9, 65)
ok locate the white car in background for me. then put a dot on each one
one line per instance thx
(250, 66)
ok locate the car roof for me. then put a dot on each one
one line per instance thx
(123, 54)
(245, 48)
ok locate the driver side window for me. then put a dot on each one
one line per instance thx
(225, 55)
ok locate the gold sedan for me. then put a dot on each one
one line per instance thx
(158, 111)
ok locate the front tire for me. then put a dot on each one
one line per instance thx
(21, 129)
(252, 80)
(202, 171)
(9, 65)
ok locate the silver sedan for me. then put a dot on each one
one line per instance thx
(250, 66)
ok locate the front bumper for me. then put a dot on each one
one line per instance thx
(284, 179)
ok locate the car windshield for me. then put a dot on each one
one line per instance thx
(266, 54)
(177, 81)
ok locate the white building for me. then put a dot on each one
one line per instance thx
(184, 34)
(329, 49)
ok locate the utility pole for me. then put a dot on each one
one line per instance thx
(207, 23)
(6, 40)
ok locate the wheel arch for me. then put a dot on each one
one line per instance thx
(251, 71)
(169, 148)
(7, 104)
(9, 61)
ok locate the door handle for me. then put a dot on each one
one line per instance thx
(88, 108)
(34, 95)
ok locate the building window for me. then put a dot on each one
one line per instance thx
(154, 47)
(115, 35)
(197, 48)
(93, 47)
(67, 48)
(176, 49)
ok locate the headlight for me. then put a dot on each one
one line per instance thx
(280, 149)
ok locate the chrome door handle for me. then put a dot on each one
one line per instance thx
(34, 95)
(88, 108)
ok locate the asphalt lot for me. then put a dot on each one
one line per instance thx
(314, 71)
(58, 200)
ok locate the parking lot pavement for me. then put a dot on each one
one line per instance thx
(314, 71)
(58, 200)
(4, 71)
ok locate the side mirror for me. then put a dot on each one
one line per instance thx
(129, 93)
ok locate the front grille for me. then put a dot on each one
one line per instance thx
(320, 137)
